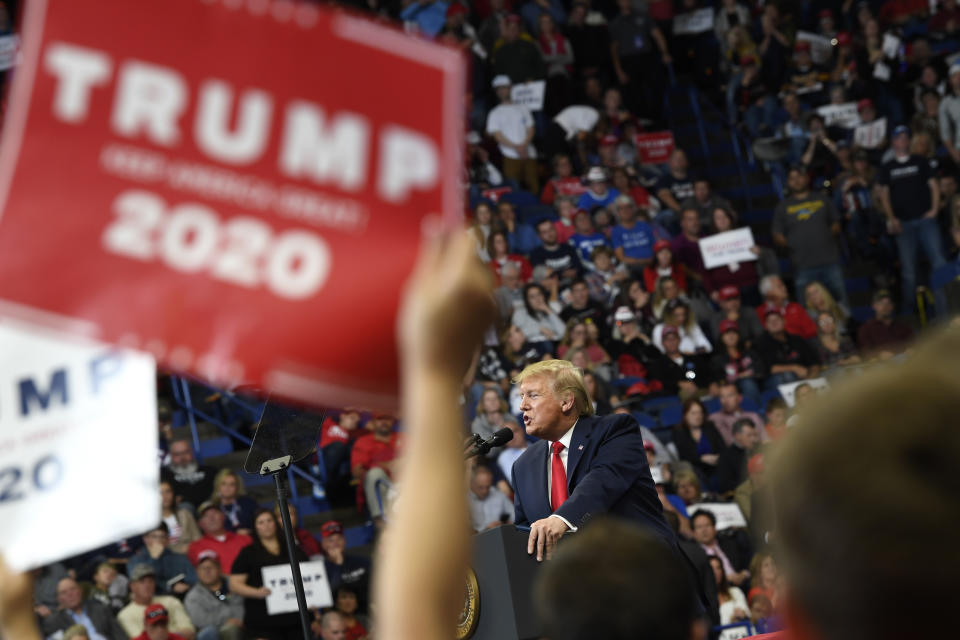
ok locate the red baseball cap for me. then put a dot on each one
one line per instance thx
(608, 140)
(661, 244)
(455, 9)
(826, 13)
(802, 45)
(729, 325)
(729, 292)
(669, 330)
(863, 104)
(155, 614)
(331, 528)
(513, 17)
(843, 38)
(648, 446)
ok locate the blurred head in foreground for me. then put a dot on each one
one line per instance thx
(866, 490)
(615, 581)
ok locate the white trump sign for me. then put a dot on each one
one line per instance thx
(283, 595)
(529, 94)
(78, 445)
(728, 247)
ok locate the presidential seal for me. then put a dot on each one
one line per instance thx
(470, 615)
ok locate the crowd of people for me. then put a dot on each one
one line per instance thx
(603, 268)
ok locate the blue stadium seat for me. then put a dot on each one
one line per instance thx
(768, 396)
(645, 419)
(671, 415)
(857, 285)
(748, 404)
(358, 536)
(944, 275)
(712, 405)
(862, 314)
(215, 447)
(658, 404)
(665, 434)
(533, 213)
(520, 198)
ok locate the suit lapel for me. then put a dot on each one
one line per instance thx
(577, 443)
(541, 459)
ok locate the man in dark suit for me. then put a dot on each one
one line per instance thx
(75, 610)
(582, 466)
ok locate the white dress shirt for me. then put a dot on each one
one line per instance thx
(564, 454)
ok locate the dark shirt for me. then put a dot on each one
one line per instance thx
(632, 33)
(559, 259)
(731, 468)
(790, 350)
(250, 561)
(690, 450)
(593, 312)
(909, 188)
(680, 188)
(194, 487)
(806, 224)
(520, 60)
(874, 334)
(353, 573)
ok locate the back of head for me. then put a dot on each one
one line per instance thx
(617, 582)
(866, 488)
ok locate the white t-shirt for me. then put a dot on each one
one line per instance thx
(577, 118)
(512, 121)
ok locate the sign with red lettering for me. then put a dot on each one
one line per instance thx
(656, 147)
(237, 187)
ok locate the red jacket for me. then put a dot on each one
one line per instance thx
(227, 549)
(650, 277)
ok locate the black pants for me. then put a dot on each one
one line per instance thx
(648, 82)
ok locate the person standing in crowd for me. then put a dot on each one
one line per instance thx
(910, 198)
(511, 125)
(808, 224)
(635, 42)
(246, 580)
(212, 608)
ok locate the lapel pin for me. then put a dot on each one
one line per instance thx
(580, 448)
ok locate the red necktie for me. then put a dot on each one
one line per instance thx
(558, 485)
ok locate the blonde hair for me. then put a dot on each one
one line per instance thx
(223, 473)
(76, 631)
(565, 377)
(833, 308)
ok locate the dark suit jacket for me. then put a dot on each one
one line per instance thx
(687, 448)
(100, 615)
(607, 472)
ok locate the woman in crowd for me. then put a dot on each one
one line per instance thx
(499, 251)
(765, 579)
(698, 441)
(623, 183)
(181, 523)
(109, 587)
(578, 337)
(246, 580)
(687, 486)
(516, 350)
(345, 602)
(599, 393)
(663, 266)
(742, 275)
(677, 313)
(818, 301)
(489, 420)
(481, 228)
(537, 320)
(666, 291)
(638, 301)
(229, 495)
(304, 538)
(734, 363)
(835, 350)
(733, 604)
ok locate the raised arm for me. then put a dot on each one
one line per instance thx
(424, 551)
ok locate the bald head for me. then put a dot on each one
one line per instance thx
(333, 626)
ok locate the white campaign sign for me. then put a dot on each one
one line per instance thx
(728, 514)
(693, 22)
(788, 391)
(78, 445)
(821, 51)
(840, 115)
(529, 94)
(283, 595)
(728, 247)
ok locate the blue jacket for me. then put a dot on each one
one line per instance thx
(169, 565)
(607, 472)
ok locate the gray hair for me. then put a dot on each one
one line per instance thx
(767, 283)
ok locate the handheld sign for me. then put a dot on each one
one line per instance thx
(283, 598)
(238, 188)
(78, 446)
(728, 247)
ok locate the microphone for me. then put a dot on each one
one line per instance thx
(500, 438)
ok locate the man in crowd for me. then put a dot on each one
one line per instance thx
(143, 588)
(521, 238)
(883, 336)
(632, 239)
(734, 561)
(212, 608)
(173, 571)
(73, 609)
(686, 245)
(910, 197)
(225, 543)
(774, 292)
(730, 412)
(517, 57)
(560, 258)
(748, 325)
(633, 35)
(489, 508)
(581, 307)
(509, 295)
(785, 357)
(156, 625)
(191, 481)
(372, 461)
(344, 569)
(333, 626)
(598, 194)
(808, 224)
(732, 465)
(677, 185)
(336, 440)
(511, 125)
